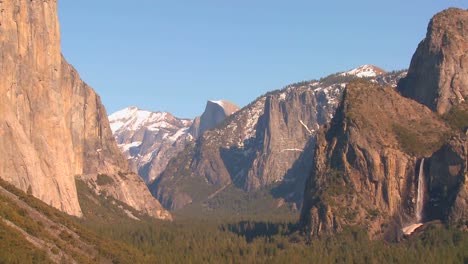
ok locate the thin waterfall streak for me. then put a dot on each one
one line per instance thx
(421, 191)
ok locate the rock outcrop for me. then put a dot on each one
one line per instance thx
(53, 126)
(447, 186)
(215, 113)
(365, 162)
(438, 74)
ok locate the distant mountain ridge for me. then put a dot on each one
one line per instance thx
(260, 145)
(150, 139)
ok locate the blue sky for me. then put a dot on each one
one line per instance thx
(174, 55)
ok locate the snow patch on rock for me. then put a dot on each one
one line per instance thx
(364, 71)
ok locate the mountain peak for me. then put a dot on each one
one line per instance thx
(437, 76)
(365, 71)
(215, 112)
(134, 118)
(228, 107)
(149, 139)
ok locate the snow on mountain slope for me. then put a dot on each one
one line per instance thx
(259, 145)
(149, 139)
(365, 71)
(132, 118)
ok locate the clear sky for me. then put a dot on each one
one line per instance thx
(174, 55)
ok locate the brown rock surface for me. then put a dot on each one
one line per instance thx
(438, 74)
(52, 125)
(364, 169)
(448, 186)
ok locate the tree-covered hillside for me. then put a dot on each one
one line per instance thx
(112, 237)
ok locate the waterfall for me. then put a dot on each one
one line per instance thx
(409, 229)
(421, 191)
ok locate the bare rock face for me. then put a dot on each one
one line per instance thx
(438, 75)
(289, 121)
(215, 113)
(365, 164)
(52, 125)
(448, 187)
(33, 123)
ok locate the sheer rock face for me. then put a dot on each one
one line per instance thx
(363, 174)
(215, 113)
(286, 126)
(438, 75)
(52, 125)
(447, 185)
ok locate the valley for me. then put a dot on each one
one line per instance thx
(106, 235)
(360, 166)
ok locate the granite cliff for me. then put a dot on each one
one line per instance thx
(53, 126)
(438, 74)
(215, 113)
(366, 162)
(386, 162)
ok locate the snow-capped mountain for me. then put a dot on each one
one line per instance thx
(364, 71)
(149, 139)
(268, 142)
(257, 146)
